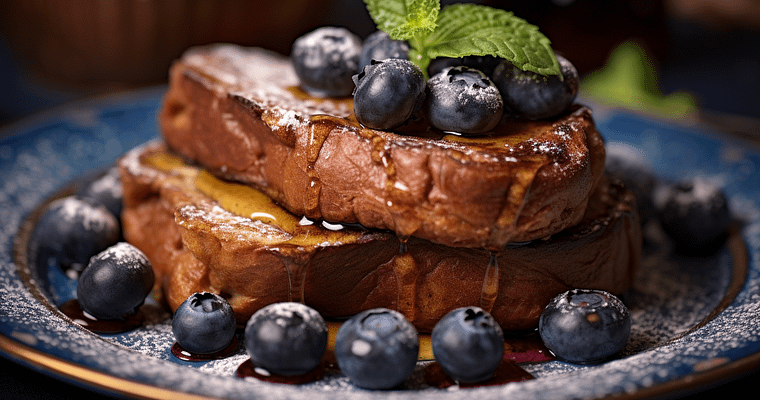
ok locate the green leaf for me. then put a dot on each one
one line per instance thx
(469, 29)
(630, 80)
(404, 19)
(463, 30)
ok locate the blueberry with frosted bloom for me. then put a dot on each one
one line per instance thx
(377, 349)
(204, 323)
(388, 93)
(534, 96)
(115, 282)
(468, 344)
(695, 214)
(325, 59)
(286, 338)
(105, 189)
(463, 100)
(379, 46)
(585, 326)
(70, 231)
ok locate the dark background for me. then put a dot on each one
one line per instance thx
(50, 55)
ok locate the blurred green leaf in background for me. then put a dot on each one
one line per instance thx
(629, 80)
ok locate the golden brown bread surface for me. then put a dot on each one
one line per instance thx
(238, 112)
(172, 214)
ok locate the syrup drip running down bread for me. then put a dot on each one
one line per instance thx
(239, 113)
(206, 234)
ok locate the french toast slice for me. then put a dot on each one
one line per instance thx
(239, 113)
(205, 234)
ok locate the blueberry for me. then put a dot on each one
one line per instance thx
(106, 190)
(629, 164)
(115, 282)
(377, 349)
(437, 65)
(379, 46)
(325, 59)
(388, 93)
(485, 64)
(695, 214)
(70, 231)
(204, 323)
(585, 326)
(462, 99)
(468, 344)
(535, 96)
(286, 338)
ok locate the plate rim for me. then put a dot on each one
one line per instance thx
(21, 127)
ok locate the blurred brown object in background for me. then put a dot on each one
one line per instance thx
(132, 42)
(718, 14)
(586, 31)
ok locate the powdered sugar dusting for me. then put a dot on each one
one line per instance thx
(288, 119)
(109, 183)
(91, 218)
(337, 49)
(671, 294)
(131, 161)
(228, 225)
(283, 312)
(242, 68)
(124, 251)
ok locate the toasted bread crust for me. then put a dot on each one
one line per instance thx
(195, 245)
(239, 113)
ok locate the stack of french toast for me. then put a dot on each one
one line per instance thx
(262, 193)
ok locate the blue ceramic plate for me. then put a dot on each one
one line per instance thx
(695, 319)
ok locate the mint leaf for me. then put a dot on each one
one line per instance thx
(469, 29)
(404, 19)
(463, 30)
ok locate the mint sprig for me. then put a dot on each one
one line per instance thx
(405, 19)
(460, 30)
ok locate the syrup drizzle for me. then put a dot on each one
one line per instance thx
(405, 270)
(526, 348)
(507, 372)
(396, 192)
(73, 310)
(186, 355)
(248, 370)
(490, 289)
(296, 278)
(319, 130)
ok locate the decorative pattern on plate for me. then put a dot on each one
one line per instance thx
(676, 332)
